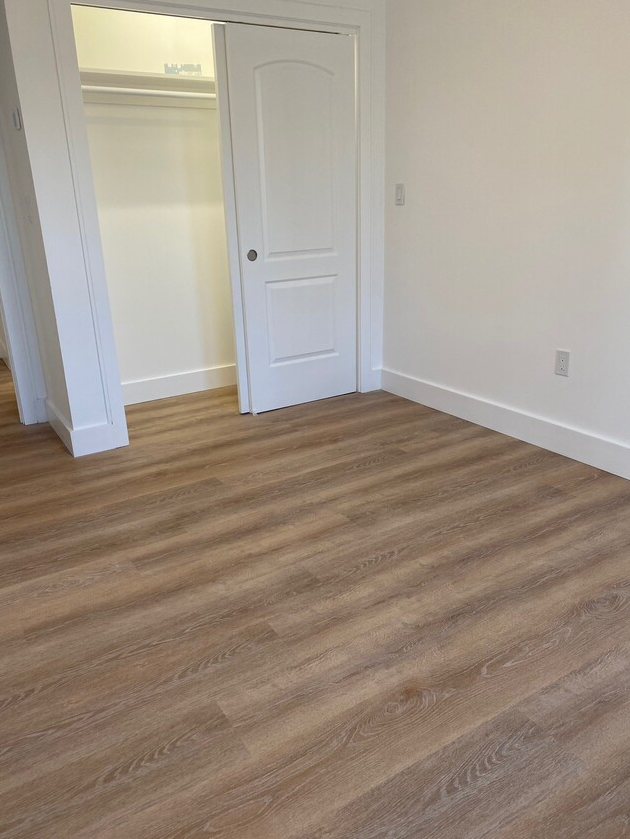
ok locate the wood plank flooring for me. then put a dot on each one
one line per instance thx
(358, 619)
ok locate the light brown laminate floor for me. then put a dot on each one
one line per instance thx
(358, 619)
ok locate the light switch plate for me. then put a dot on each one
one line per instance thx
(400, 195)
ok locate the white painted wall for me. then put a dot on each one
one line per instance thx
(509, 123)
(158, 185)
(133, 42)
(157, 174)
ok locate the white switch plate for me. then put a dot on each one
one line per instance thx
(400, 195)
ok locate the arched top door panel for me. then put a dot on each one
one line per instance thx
(295, 123)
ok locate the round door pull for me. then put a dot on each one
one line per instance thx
(252, 256)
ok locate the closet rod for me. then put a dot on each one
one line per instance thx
(138, 91)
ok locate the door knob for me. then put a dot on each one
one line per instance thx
(252, 256)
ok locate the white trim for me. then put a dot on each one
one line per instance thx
(81, 441)
(87, 226)
(164, 387)
(584, 446)
(376, 380)
(60, 423)
(371, 253)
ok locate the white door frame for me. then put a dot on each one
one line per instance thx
(16, 313)
(55, 123)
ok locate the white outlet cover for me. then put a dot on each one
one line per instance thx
(563, 361)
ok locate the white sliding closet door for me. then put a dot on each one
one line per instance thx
(292, 116)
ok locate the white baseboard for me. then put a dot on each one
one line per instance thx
(148, 390)
(88, 440)
(603, 453)
(60, 423)
(372, 381)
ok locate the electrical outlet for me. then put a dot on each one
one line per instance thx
(563, 358)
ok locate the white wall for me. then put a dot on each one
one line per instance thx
(157, 174)
(509, 122)
(133, 42)
(158, 186)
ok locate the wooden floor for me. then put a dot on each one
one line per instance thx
(358, 619)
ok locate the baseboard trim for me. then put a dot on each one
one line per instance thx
(372, 381)
(164, 387)
(600, 452)
(60, 424)
(87, 440)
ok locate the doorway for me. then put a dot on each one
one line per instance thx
(287, 147)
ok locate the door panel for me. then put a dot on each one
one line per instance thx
(295, 130)
(292, 114)
(301, 317)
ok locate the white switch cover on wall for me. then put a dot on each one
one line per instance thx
(400, 195)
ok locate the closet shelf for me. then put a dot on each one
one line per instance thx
(148, 85)
(139, 91)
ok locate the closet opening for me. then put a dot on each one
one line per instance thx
(150, 101)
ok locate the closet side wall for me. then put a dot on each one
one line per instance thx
(157, 174)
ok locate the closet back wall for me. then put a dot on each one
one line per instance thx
(157, 175)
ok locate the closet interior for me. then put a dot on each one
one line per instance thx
(149, 94)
